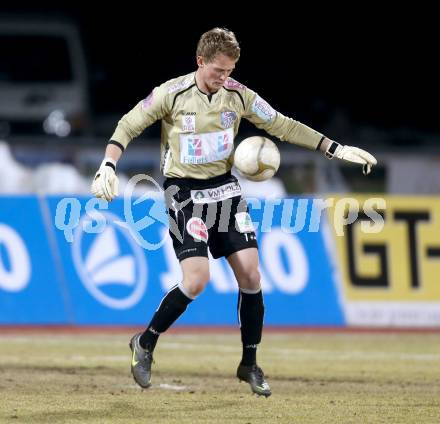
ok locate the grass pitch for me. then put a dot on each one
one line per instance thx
(315, 378)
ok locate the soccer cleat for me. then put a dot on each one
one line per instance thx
(141, 361)
(254, 375)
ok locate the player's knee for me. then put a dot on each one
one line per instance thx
(250, 280)
(196, 281)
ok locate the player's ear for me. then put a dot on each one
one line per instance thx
(200, 61)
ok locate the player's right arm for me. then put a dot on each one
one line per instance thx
(145, 113)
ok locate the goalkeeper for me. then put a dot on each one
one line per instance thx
(200, 115)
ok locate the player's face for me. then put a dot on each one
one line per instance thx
(214, 74)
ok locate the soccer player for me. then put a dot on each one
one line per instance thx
(200, 115)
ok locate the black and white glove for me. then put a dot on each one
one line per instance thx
(106, 184)
(351, 154)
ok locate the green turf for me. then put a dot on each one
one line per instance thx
(315, 378)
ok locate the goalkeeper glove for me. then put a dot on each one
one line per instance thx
(105, 184)
(351, 154)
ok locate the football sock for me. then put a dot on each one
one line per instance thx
(170, 308)
(250, 314)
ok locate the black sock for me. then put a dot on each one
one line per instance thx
(249, 355)
(171, 307)
(251, 315)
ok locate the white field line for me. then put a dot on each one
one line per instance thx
(35, 359)
(59, 340)
(291, 353)
(164, 386)
(320, 354)
(172, 387)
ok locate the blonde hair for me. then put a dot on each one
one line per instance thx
(218, 40)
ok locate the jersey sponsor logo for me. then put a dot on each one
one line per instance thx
(212, 195)
(147, 102)
(189, 123)
(195, 147)
(223, 143)
(263, 109)
(228, 118)
(206, 147)
(180, 85)
(197, 195)
(197, 229)
(232, 84)
(244, 222)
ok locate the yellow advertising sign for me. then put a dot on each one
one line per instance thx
(396, 258)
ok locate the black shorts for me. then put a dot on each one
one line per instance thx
(208, 213)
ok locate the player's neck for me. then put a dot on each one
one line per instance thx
(202, 86)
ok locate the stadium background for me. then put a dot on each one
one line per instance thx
(373, 89)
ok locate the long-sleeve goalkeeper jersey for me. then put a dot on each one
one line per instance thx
(198, 131)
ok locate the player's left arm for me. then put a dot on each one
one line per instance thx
(263, 116)
(333, 149)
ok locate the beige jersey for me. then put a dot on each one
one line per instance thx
(198, 131)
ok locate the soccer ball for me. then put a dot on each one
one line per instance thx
(257, 158)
